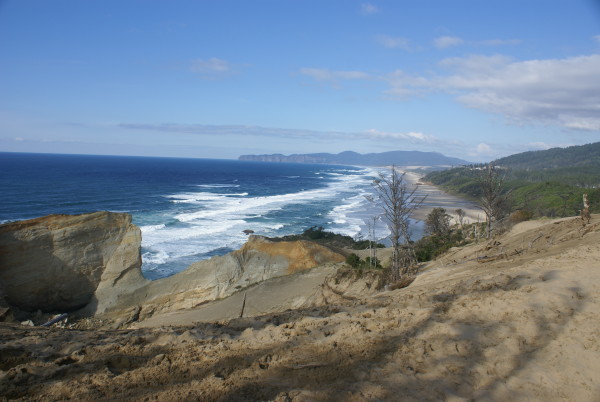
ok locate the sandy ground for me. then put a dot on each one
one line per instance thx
(514, 319)
(284, 292)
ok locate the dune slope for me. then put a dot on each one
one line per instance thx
(517, 318)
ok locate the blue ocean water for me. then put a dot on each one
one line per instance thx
(189, 209)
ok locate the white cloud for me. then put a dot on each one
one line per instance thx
(498, 42)
(483, 149)
(211, 68)
(404, 85)
(333, 77)
(413, 137)
(393, 42)
(447, 41)
(444, 42)
(597, 38)
(322, 74)
(220, 130)
(368, 9)
(563, 92)
(540, 145)
(18, 139)
(556, 91)
(316, 135)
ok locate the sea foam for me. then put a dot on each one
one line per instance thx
(208, 223)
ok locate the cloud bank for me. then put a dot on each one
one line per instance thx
(242, 130)
(211, 68)
(561, 92)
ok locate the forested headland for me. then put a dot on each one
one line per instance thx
(541, 183)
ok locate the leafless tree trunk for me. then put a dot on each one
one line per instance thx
(372, 243)
(460, 213)
(398, 203)
(585, 212)
(375, 219)
(494, 200)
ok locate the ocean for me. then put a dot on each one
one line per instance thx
(190, 209)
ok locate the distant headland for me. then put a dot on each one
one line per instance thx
(403, 158)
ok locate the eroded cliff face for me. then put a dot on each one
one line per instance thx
(91, 263)
(258, 260)
(57, 263)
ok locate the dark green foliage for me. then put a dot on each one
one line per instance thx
(374, 263)
(441, 236)
(429, 247)
(554, 199)
(437, 222)
(319, 235)
(355, 262)
(546, 183)
(575, 156)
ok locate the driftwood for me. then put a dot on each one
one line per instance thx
(308, 366)
(55, 320)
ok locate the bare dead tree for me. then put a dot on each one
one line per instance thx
(494, 199)
(460, 213)
(372, 242)
(585, 212)
(398, 203)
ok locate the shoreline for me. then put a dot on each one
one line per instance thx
(438, 198)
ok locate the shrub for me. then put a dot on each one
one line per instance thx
(354, 261)
(521, 216)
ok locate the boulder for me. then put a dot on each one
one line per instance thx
(65, 262)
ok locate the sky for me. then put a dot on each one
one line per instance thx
(471, 79)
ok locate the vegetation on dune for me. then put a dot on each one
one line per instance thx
(552, 198)
(398, 202)
(440, 236)
(319, 235)
(555, 158)
(548, 183)
(541, 183)
(368, 263)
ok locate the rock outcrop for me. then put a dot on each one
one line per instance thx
(91, 263)
(258, 260)
(65, 262)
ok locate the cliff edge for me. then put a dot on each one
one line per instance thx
(91, 264)
(204, 281)
(65, 262)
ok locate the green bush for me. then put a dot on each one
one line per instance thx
(354, 261)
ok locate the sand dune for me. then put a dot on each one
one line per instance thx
(514, 319)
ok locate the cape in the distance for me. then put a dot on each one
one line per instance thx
(403, 158)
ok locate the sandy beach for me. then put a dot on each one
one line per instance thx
(437, 198)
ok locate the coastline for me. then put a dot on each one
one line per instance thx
(436, 198)
(520, 326)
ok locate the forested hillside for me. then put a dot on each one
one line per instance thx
(543, 183)
(575, 156)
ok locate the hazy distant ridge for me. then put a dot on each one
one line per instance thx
(401, 158)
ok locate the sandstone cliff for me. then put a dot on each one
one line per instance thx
(258, 260)
(65, 262)
(91, 263)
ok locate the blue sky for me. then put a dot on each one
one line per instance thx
(215, 79)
